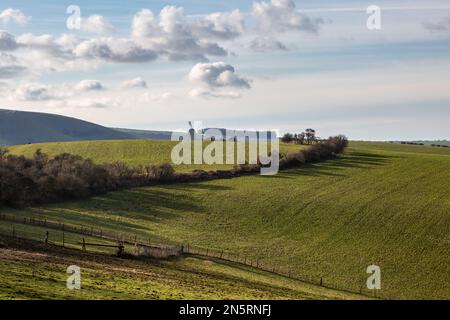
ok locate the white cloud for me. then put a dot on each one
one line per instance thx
(96, 103)
(214, 79)
(282, 16)
(170, 34)
(438, 26)
(89, 85)
(203, 93)
(155, 97)
(97, 24)
(217, 74)
(10, 67)
(32, 92)
(134, 83)
(144, 24)
(13, 15)
(222, 25)
(263, 44)
(7, 41)
(173, 35)
(114, 50)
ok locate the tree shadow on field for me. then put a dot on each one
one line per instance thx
(196, 185)
(144, 209)
(137, 210)
(332, 167)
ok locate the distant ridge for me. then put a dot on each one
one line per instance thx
(21, 127)
(147, 134)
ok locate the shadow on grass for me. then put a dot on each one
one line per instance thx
(332, 167)
(141, 210)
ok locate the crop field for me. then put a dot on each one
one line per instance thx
(380, 204)
(132, 152)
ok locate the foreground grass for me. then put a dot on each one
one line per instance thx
(35, 272)
(132, 152)
(332, 220)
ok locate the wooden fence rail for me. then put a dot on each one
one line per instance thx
(358, 286)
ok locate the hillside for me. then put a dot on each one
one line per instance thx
(147, 134)
(19, 127)
(380, 204)
(136, 152)
(33, 271)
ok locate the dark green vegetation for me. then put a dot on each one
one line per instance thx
(379, 204)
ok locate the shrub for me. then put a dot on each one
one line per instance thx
(24, 181)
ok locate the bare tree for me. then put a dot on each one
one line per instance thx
(301, 138)
(287, 138)
(310, 135)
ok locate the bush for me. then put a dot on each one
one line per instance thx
(324, 150)
(25, 181)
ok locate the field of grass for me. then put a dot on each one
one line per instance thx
(379, 204)
(34, 272)
(132, 152)
(397, 147)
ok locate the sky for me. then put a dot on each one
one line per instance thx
(274, 64)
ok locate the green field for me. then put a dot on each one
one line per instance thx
(379, 204)
(132, 152)
(38, 272)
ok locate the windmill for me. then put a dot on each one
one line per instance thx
(191, 130)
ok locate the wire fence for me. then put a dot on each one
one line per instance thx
(102, 241)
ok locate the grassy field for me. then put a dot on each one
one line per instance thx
(132, 152)
(31, 271)
(380, 204)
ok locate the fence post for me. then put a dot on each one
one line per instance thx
(321, 281)
(46, 237)
(83, 245)
(63, 240)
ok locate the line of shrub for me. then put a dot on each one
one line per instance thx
(26, 181)
(320, 151)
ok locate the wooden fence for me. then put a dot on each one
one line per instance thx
(160, 250)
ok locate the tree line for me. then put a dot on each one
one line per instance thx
(29, 180)
(306, 137)
(26, 181)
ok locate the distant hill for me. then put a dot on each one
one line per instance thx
(19, 127)
(146, 134)
(433, 143)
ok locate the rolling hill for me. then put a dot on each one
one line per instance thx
(136, 152)
(383, 204)
(30, 270)
(19, 127)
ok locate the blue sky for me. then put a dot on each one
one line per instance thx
(278, 65)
